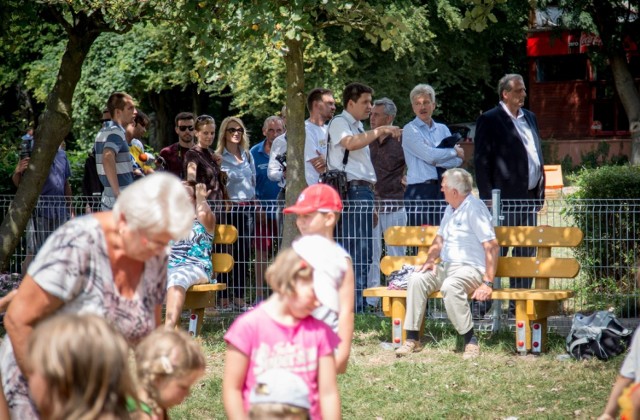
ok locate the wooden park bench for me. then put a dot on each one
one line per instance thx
(533, 306)
(201, 296)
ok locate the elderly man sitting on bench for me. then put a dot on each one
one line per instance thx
(468, 251)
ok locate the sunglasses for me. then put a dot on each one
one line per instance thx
(235, 130)
(185, 127)
(204, 118)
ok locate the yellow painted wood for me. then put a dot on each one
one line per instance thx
(398, 311)
(207, 287)
(542, 309)
(195, 300)
(410, 235)
(521, 316)
(386, 306)
(538, 236)
(222, 263)
(225, 234)
(423, 236)
(502, 294)
(507, 266)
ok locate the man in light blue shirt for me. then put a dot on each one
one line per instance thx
(420, 140)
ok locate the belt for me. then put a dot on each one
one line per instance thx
(360, 183)
(429, 182)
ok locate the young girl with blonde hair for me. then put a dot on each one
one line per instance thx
(79, 369)
(168, 363)
(281, 333)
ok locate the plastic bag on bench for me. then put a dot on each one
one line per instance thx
(599, 334)
(398, 279)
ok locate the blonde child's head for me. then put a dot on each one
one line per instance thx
(79, 368)
(311, 258)
(279, 394)
(168, 362)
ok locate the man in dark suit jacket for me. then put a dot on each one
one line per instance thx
(508, 157)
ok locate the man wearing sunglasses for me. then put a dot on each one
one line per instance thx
(174, 155)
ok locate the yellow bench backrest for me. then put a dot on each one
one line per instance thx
(225, 235)
(543, 266)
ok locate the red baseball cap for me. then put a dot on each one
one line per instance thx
(317, 197)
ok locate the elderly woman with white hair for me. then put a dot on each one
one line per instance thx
(420, 140)
(113, 264)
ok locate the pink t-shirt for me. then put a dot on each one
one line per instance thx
(269, 344)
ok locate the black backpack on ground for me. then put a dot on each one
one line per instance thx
(599, 334)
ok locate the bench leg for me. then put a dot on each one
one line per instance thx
(523, 328)
(199, 312)
(398, 311)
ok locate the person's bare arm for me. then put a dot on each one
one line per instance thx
(491, 249)
(17, 173)
(328, 388)
(345, 319)
(236, 365)
(68, 195)
(192, 167)
(109, 165)
(358, 141)
(432, 255)
(203, 210)
(29, 305)
(611, 409)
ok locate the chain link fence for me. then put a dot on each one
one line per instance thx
(608, 254)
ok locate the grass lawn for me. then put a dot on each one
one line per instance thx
(436, 383)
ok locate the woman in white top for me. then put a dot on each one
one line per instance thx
(233, 146)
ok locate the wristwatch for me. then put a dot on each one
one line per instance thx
(488, 283)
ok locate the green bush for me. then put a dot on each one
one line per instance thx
(606, 207)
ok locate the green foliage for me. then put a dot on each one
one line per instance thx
(606, 208)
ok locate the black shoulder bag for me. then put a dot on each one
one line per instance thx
(336, 178)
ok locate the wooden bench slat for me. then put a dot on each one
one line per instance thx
(539, 236)
(225, 234)
(536, 236)
(222, 263)
(207, 287)
(507, 266)
(501, 294)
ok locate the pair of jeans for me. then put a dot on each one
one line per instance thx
(355, 235)
(424, 203)
(385, 220)
(241, 216)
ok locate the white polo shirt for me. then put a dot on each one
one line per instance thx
(359, 166)
(464, 230)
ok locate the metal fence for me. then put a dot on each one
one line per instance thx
(608, 255)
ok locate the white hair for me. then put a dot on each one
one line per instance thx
(422, 90)
(459, 179)
(156, 204)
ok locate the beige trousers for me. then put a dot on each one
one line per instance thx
(455, 281)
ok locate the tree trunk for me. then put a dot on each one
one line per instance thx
(295, 133)
(54, 126)
(630, 98)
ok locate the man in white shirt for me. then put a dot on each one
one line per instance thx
(462, 260)
(346, 134)
(321, 106)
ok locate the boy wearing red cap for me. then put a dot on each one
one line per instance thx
(317, 212)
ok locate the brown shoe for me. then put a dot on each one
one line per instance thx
(471, 351)
(409, 346)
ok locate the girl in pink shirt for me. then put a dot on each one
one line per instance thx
(281, 333)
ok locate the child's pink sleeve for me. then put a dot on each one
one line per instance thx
(328, 342)
(240, 335)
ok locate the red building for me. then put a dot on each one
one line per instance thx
(573, 96)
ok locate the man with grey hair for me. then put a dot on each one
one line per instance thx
(421, 138)
(462, 260)
(266, 222)
(508, 157)
(388, 162)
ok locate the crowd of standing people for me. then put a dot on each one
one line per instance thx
(153, 238)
